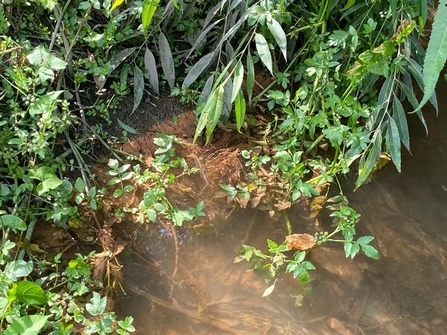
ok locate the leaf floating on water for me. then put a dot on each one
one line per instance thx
(269, 290)
(300, 242)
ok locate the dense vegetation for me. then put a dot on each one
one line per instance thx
(341, 77)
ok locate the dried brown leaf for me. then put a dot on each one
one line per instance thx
(300, 242)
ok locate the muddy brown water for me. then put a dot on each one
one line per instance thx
(197, 289)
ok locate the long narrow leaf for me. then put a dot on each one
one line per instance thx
(201, 37)
(393, 143)
(215, 113)
(239, 109)
(197, 69)
(279, 35)
(149, 8)
(414, 104)
(116, 3)
(116, 60)
(151, 67)
(237, 81)
(401, 122)
(436, 55)
(138, 87)
(167, 61)
(250, 76)
(206, 89)
(366, 165)
(264, 52)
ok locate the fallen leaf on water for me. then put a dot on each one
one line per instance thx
(300, 242)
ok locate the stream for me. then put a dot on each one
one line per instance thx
(197, 289)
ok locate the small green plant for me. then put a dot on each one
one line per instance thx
(279, 259)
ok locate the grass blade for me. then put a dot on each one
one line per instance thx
(151, 67)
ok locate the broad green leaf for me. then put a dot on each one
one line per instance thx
(116, 3)
(197, 69)
(279, 35)
(97, 305)
(436, 55)
(167, 62)
(401, 122)
(17, 269)
(250, 76)
(138, 87)
(237, 81)
(370, 251)
(29, 293)
(42, 58)
(149, 8)
(49, 181)
(127, 128)
(367, 163)
(45, 104)
(27, 325)
(363, 240)
(79, 185)
(13, 222)
(264, 52)
(239, 108)
(393, 143)
(151, 67)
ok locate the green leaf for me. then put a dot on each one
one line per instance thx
(401, 122)
(49, 181)
(411, 98)
(364, 240)
(127, 128)
(167, 61)
(393, 143)
(13, 222)
(237, 81)
(197, 69)
(42, 58)
(229, 190)
(367, 165)
(29, 293)
(138, 87)
(264, 52)
(151, 67)
(250, 76)
(279, 35)
(149, 8)
(27, 325)
(97, 305)
(79, 185)
(436, 55)
(116, 3)
(116, 60)
(370, 251)
(239, 108)
(210, 114)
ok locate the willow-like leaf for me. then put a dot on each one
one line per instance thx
(367, 165)
(250, 76)
(151, 67)
(237, 81)
(239, 109)
(401, 122)
(393, 143)
(197, 69)
(279, 35)
(138, 87)
(264, 52)
(149, 8)
(436, 54)
(167, 61)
